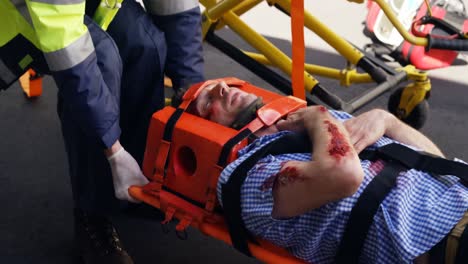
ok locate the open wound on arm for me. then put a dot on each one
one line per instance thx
(338, 146)
(287, 175)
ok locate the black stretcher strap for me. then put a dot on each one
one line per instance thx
(168, 129)
(362, 214)
(222, 161)
(424, 161)
(399, 158)
(421, 161)
(171, 122)
(231, 190)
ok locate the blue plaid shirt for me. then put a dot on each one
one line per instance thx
(417, 213)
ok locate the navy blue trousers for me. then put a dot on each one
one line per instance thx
(143, 50)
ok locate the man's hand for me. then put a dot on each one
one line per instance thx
(125, 173)
(365, 129)
(295, 121)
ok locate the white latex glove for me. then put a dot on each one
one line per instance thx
(125, 173)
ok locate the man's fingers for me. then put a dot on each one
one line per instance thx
(358, 140)
(287, 125)
(354, 136)
(350, 127)
(281, 124)
(359, 146)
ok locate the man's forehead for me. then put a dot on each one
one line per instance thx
(196, 105)
(206, 89)
(211, 86)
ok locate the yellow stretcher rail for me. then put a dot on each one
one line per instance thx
(399, 26)
(218, 14)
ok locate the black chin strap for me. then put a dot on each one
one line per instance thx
(248, 114)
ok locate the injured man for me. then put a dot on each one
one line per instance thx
(303, 201)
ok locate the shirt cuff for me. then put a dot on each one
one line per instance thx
(111, 136)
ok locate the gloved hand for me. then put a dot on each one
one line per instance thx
(125, 173)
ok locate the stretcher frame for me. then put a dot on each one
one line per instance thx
(172, 169)
(227, 13)
(218, 230)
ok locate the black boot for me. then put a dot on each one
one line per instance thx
(97, 240)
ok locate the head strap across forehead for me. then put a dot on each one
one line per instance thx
(265, 111)
(193, 92)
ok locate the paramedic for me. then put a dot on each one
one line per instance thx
(276, 199)
(166, 39)
(107, 93)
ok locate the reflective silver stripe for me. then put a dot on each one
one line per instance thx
(27, 16)
(59, 2)
(169, 7)
(18, 2)
(23, 10)
(72, 55)
(6, 75)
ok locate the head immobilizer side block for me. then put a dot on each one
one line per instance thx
(182, 164)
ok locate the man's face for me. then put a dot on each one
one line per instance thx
(221, 104)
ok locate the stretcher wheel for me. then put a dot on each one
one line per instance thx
(416, 118)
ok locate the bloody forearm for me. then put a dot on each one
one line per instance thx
(333, 173)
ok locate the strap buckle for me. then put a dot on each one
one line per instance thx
(181, 227)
